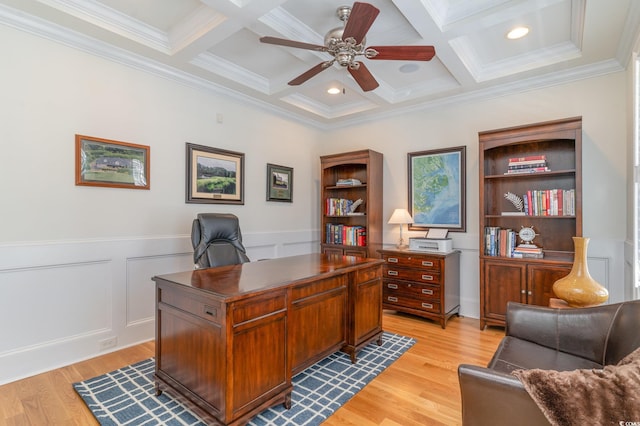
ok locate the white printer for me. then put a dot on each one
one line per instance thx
(440, 245)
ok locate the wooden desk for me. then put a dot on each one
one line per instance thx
(229, 339)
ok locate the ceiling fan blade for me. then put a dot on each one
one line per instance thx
(363, 77)
(360, 20)
(292, 43)
(310, 73)
(403, 53)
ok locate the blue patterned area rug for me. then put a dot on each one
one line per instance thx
(127, 396)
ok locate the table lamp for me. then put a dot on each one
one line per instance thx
(400, 216)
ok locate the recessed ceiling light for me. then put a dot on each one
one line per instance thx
(517, 32)
(333, 91)
(407, 68)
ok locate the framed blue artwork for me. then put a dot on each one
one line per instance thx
(437, 192)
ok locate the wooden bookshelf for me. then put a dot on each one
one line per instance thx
(527, 280)
(365, 166)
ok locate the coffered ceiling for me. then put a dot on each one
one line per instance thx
(214, 45)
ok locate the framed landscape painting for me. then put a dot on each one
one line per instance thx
(107, 163)
(437, 189)
(214, 175)
(279, 183)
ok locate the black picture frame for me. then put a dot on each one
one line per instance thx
(437, 189)
(214, 176)
(279, 183)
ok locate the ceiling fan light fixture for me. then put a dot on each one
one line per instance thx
(517, 32)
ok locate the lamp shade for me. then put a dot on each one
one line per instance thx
(400, 216)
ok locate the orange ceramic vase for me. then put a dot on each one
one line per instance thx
(578, 289)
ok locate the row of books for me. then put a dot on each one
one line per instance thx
(528, 164)
(550, 202)
(347, 235)
(502, 242)
(338, 206)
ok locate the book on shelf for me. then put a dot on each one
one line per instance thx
(550, 202)
(348, 182)
(519, 166)
(347, 235)
(341, 207)
(527, 170)
(499, 241)
(540, 157)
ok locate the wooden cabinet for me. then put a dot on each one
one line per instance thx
(505, 278)
(424, 284)
(524, 282)
(347, 178)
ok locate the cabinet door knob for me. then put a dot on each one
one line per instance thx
(529, 293)
(523, 291)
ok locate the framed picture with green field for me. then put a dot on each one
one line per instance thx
(108, 163)
(214, 175)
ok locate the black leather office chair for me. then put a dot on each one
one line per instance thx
(217, 240)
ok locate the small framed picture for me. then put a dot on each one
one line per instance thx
(214, 175)
(279, 183)
(107, 163)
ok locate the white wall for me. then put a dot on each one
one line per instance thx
(602, 104)
(76, 262)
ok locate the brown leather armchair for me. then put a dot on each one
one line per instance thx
(548, 339)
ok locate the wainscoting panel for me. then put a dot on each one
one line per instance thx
(46, 304)
(140, 287)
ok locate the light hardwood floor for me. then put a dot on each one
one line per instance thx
(420, 388)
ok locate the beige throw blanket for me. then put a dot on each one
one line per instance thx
(610, 396)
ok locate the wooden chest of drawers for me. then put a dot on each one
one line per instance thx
(424, 284)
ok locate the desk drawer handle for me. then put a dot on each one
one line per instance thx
(427, 305)
(427, 277)
(427, 291)
(427, 263)
(394, 286)
(394, 273)
(392, 299)
(208, 310)
(392, 260)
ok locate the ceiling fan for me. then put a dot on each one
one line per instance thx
(346, 43)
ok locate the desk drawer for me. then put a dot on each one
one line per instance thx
(422, 262)
(195, 304)
(415, 290)
(401, 300)
(418, 275)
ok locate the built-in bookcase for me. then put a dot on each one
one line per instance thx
(347, 178)
(528, 280)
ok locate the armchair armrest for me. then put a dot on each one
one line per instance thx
(581, 332)
(495, 399)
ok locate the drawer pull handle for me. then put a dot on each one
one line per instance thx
(208, 310)
(394, 286)
(427, 291)
(394, 273)
(392, 260)
(392, 299)
(427, 263)
(427, 305)
(427, 277)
